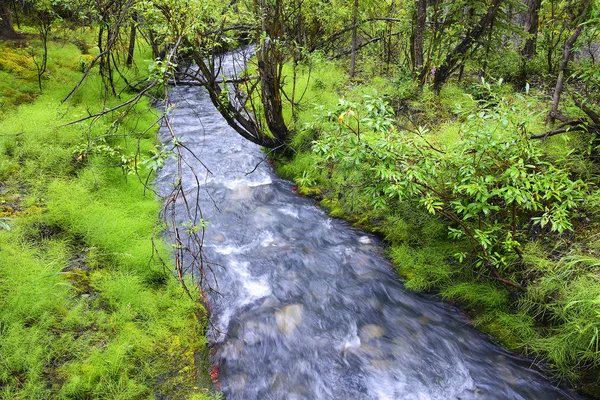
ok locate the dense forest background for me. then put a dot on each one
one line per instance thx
(465, 133)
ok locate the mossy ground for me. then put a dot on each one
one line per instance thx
(87, 310)
(556, 320)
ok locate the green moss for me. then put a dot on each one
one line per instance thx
(86, 311)
(303, 162)
(454, 99)
(309, 191)
(397, 230)
(333, 207)
(424, 269)
(513, 330)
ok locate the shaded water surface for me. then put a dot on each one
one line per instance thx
(309, 307)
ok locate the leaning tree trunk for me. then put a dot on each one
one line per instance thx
(6, 25)
(554, 114)
(471, 37)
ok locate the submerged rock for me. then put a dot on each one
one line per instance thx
(242, 192)
(270, 302)
(279, 382)
(219, 237)
(232, 349)
(380, 364)
(288, 318)
(264, 193)
(370, 331)
(238, 382)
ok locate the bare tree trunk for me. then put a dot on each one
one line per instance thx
(554, 114)
(16, 14)
(132, 35)
(44, 26)
(419, 34)
(488, 45)
(152, 40)
(270, 64)
(6, 25)
(529, 48)
(471, 37)
(531, 27)
(354, 38)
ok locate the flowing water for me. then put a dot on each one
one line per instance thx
(309, 307)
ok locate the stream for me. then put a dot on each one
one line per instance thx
(308, 306)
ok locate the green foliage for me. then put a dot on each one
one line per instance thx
(506, 64)
(567, 298)
(406, 88)
(515, 330)
(487, 93)
(478, 294)
(425, 269)
(490, 183)
(454, 99)
(18, 81)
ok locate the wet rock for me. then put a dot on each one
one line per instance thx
(235, 328)
(288, 318)
(319, 290)
(276, 242)
(263, 217)
(365, 240)
(375, 304)
(297, 392)
(251, 333)
(370, 331)
(361, 264)
(371, 352)
(297, 396)
(292, 233)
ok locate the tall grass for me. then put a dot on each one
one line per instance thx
(86, 311)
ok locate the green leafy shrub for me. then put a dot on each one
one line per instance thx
(492, 184)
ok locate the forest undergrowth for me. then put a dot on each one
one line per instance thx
(87, 308)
